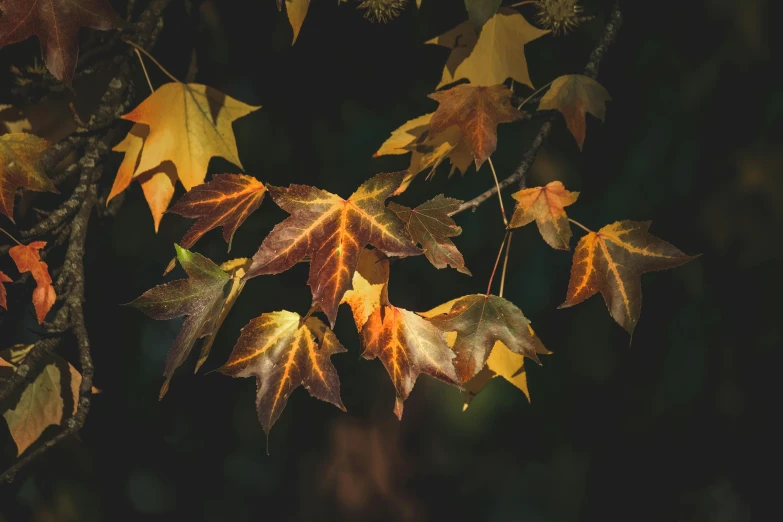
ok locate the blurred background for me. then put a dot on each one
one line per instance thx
(676, 426)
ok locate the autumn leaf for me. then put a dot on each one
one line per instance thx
(200, 297)
(28, 259)
(477, 112)
(545, 206)
(226, 202)
(430, 225)
(492, 57)
(406, 344)
(332, 231)
(612, 260)
(157, 184)
(56, 23)
(479, 11)
(20, 166)
(283, 355)
(574, 96)
(479, 322)
(297, 11)
(50, 398)
(188, 125)
(13, 119)
(4, 279)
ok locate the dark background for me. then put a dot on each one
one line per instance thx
(676, 426)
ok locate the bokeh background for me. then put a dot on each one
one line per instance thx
(676, 426)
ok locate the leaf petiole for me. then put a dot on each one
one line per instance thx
(500, 196)
(148, 55)
(533, 95)
(9, 235)
(577, 223)
(497, 261)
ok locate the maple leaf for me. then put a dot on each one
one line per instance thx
(574, 96)
(332, 231)
(479, 322)
(200, 297)
(430, 225)
(476, 111)
(56, 23)
(188, 125)
(157, 184)
(3, 279)
(20, 166)
(43, 402)
(28, 259)
(297, 11)
(544, 205)
(612, 260)
(226, 202)
(406, 344)
(282, 355)
(492, 57)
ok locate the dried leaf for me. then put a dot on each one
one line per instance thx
(430, 225)
(545, 206)
(4, 279)
(283, 355)
(20, 166)
(476, 111)
(28, 259)
(612, 260)
(574, 96)
(56, 23)
(201, 297)
(479, 322)
(332, 231)
(492, 57)
(226, 202)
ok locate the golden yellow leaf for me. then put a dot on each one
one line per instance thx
(297, 11)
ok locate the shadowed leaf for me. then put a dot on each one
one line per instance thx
(574, 96)
(3, 279)
(20, 166)
(544, 205)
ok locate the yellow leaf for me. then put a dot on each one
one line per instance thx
(297, 11)
(20, 166)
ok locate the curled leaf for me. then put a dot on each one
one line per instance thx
(28, 259)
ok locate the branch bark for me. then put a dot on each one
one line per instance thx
(591, 70)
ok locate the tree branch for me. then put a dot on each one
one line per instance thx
(591, 70)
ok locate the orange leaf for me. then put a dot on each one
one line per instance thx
(20, 166)
(28, 259)
(3, 279)
(56, 23)
(282, 355)
(476, 111)
(297, 11)
(612, 260)
(575, 95)
(225, 201)
(332, 231)
(545, 206)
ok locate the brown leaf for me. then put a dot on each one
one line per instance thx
(492, 57)
(476, 111)
(283, 355)
(430, 225)
(20, 166)
(612, 260)
(575, 95)
(226, 202)
(332, 231)
(4, 279)
(544, 205)
(28, 259)
(56, 23)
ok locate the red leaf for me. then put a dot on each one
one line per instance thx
(28, 259)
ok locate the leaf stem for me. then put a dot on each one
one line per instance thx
(534, 93)
(500, 195)
(526, 2)
(505, 265)
(577, 223)
(9, 235)
(148, 55)
(144, 68)
(497, 261)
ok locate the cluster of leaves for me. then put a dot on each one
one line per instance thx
(347, 242)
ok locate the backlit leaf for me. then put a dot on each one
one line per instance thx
(20, 166)
(283, 355)
(544, 205)
(574, 96)
(332, 231)
(28, 259)
(612, 260)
